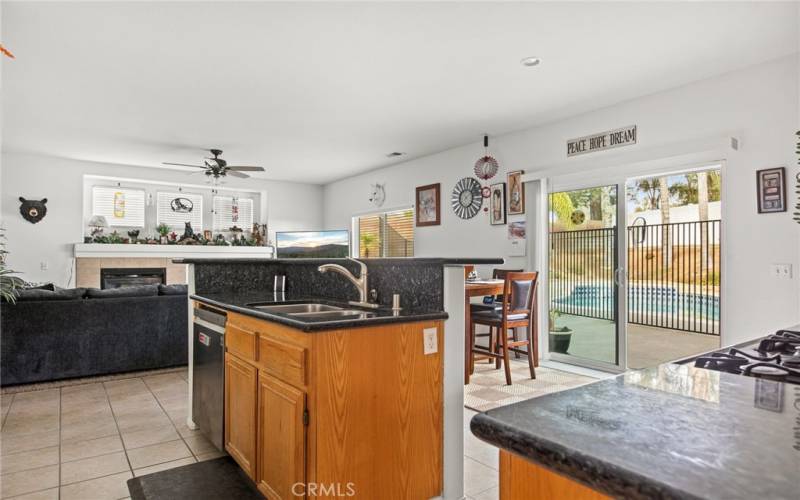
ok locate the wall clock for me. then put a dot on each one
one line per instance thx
(467, 199)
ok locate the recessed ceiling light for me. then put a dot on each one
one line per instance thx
(530, 61)
(394, 154)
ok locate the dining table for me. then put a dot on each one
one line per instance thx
(476, 288)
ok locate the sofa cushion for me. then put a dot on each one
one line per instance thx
(126, 291)
(42, 286)
(173, 289)
(44, 294)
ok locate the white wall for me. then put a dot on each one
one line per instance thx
(759, 105)
(290, 206)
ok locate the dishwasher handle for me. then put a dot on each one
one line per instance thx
(215, 318)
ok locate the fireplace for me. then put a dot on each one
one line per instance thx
(131, 276)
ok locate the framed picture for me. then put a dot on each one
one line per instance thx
(429, 205)
(497, 203)
(207, 234)
(771, 190)
(516, 193)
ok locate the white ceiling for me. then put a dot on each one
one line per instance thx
(317, 92)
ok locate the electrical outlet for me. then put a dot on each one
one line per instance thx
(782, 271)
(430, 341)
(43, 265)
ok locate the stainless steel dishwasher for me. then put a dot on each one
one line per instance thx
(208, 389)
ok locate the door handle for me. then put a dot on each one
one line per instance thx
(619, 276)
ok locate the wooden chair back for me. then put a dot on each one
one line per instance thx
(515, 285)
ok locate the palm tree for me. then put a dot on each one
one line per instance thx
(663, 201)
(367, 240)
(702, 210)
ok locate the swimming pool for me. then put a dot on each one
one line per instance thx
(643, 302)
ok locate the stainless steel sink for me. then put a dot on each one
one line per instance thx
(311, 308)
(334, 314)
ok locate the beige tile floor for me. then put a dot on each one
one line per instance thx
(85, 441)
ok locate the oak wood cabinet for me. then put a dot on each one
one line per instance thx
(355, 412)
(240, 412)
(281, 440)
(521, 479)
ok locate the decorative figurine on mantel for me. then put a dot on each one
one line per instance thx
(260, 234)
(163, 231)
(133, 234)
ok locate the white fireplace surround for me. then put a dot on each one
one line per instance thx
(103, 250)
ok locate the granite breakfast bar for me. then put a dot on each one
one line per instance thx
(669, 432)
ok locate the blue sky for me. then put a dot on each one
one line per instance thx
(313, 238)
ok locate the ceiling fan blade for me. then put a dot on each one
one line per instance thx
(234, 173)
(182, 165)
(241, 168)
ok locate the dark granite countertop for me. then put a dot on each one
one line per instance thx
(444, 261)
(238, 302)
(674, 431)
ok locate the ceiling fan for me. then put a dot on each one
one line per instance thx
(216, 167)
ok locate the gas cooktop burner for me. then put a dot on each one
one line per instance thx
(776, 357)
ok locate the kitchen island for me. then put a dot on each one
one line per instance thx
(669, 432)
(322, 389)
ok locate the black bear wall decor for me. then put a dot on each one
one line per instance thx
(33, 210)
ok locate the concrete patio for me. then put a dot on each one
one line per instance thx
(647, 346)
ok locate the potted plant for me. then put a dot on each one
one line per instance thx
(560, 337)
(366, 241)
(163, 230)
(8, 281)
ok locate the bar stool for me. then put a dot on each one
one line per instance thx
(495, 305)
(519, 309)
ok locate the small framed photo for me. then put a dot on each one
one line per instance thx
(771, 186)
(516, 193)
(429, 205)
(497, 204)
(207, 234)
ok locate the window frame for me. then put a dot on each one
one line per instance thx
(110, 219)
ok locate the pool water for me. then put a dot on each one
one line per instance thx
(597, 300)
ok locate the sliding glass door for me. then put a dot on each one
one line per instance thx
(585, 277)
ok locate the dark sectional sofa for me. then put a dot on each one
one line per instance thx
(66, 333)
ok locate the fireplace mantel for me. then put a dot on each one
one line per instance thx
(103, 250)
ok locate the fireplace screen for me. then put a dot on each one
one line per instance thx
(120, 277)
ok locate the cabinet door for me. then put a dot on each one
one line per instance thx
(281, 438)
(241, 386)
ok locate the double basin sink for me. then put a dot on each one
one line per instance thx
(312, 311)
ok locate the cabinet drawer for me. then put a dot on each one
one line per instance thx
(243, 343)
(283, 360)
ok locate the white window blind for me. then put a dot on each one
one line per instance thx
(388, 234)
(232, 211)
(122, 207)
(172, 210)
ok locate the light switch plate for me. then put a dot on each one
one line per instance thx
(430, 341)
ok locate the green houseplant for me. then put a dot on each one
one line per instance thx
(8, 279)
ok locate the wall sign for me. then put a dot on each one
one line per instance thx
(605, 140)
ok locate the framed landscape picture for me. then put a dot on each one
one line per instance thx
(429, 205)
(516, 193)
(771, 186)
(497, 204)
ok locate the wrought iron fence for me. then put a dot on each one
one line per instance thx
(673, 274)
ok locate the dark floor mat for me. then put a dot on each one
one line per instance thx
(214, 479)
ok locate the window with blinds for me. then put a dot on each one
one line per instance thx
(122, 207)
(388, 234)
(176, 209)
(232, 211)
